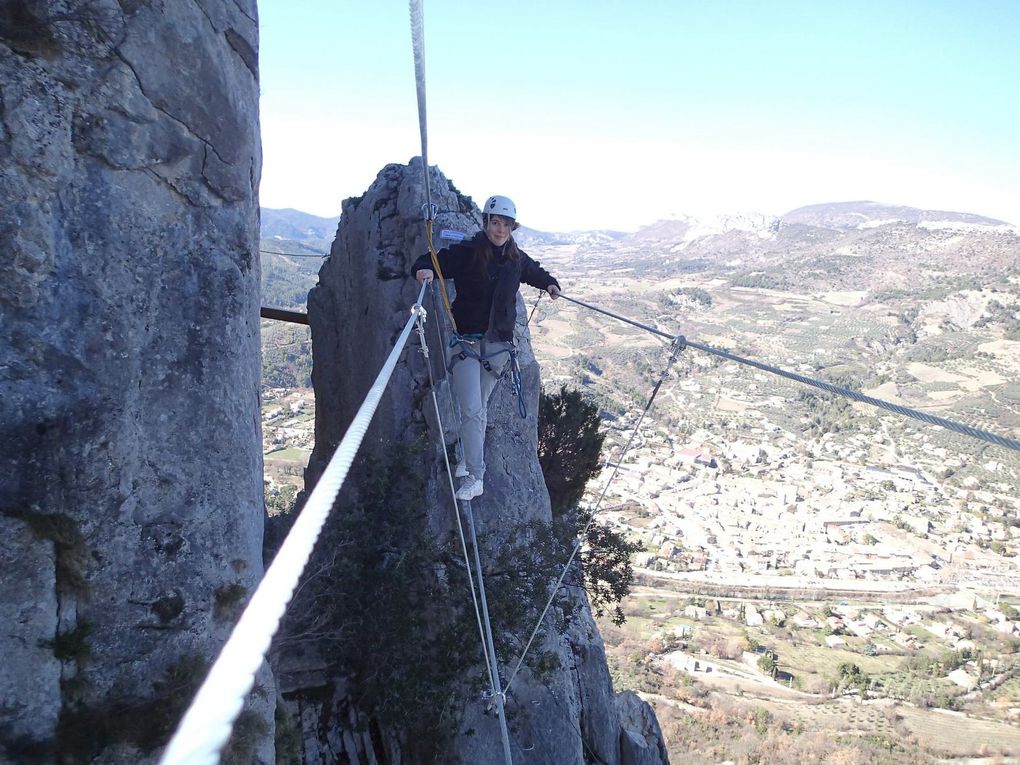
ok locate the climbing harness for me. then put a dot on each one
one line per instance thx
(489, 664)
(484, 359)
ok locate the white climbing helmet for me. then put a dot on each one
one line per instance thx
(498, 205)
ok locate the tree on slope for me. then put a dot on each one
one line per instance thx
(570, 453)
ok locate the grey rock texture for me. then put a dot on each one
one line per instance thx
(568, 715)
(28, 613)
(641, 742)
(129, 370)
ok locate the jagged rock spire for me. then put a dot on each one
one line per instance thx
(566, 713)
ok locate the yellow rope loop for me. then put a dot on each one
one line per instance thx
(439, 272)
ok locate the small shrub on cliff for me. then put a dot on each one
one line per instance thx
(248, 732)
(229, 601)
(570, 453)
(288, 737)
(146, 722)
(69, 545)
(72, 644)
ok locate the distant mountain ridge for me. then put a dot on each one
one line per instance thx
(846, 246)
(299, 226)
(844, 216)
(832, 216)
(529, 237)
(838, 245)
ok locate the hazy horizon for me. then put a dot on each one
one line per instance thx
(617, 117)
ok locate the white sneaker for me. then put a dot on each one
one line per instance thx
(461, 471)
(470, 488)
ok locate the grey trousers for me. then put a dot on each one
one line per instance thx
(472, 385)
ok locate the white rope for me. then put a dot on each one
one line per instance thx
(206, 725)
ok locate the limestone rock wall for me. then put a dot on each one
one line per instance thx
(356, 313)
(130, 453)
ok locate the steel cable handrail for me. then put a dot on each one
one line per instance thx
(453, 493)
(967, 430)
(675, 348)
(418, 45)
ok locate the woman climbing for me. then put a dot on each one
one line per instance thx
(487, 270)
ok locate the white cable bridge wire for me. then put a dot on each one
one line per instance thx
(418, 45)
(205, 727)
(453, 489)
(481, 613)
(675, 348)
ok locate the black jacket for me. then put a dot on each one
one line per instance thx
(486, 303)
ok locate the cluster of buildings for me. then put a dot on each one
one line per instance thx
(288, 436)
(287, 419)
(763, 509)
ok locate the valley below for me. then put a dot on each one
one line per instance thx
(819, 580)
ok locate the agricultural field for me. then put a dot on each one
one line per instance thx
(702, 673)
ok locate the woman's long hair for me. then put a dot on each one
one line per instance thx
(484, 251)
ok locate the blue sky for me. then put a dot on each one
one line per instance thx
(614, 115)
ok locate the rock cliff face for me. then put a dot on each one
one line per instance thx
(130, 455)
(560, 710)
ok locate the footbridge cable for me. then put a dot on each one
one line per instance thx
(418, 45)
(482, 614)
(206, 725)
(676, 346)
(488, 648)
(966, 430)
(498, 693)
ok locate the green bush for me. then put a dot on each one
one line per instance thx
(569, 445)
(570, 453)
(372, 601)
(762, 719)
(69, 544)
(229, 601)
(72, 644)
(145, 722)
(288, 737)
